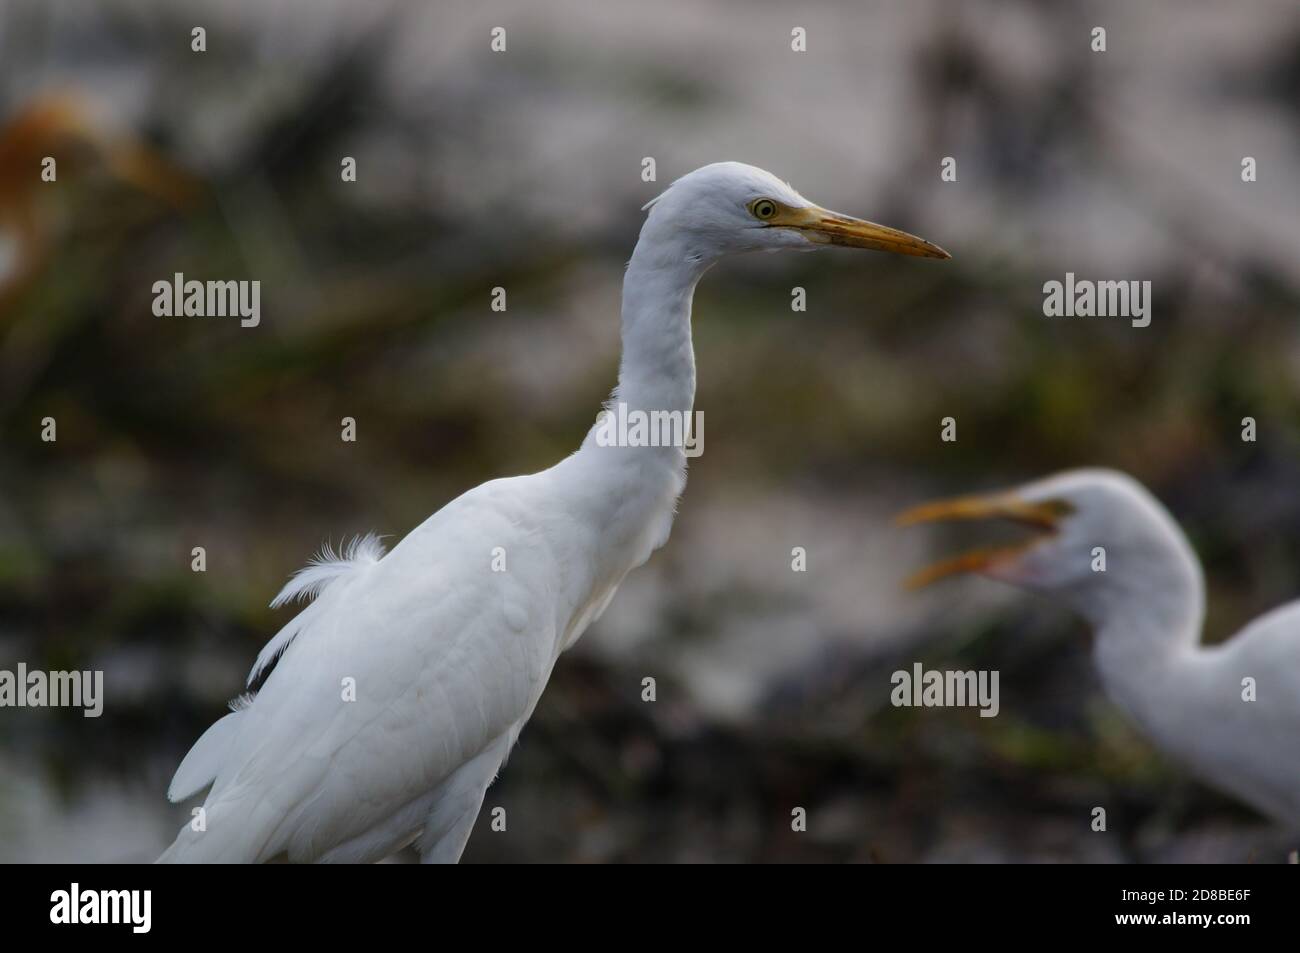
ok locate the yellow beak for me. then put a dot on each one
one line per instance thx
(1043, 516)
(831, 228)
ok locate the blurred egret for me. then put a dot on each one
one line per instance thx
(448, 657)
(1108, 550)
(59, 126)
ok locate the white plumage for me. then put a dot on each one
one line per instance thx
(448, 655)
(1112, 553)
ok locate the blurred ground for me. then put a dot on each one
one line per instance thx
(523, 170)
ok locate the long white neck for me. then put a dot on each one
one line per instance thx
(1147, 619)
(657, 371)
(628, 493)
(1186, 697)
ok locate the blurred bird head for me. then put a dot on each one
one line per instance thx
(1094, 535)
(730, 207)
(61, 125)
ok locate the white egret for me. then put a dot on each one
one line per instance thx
(1145, 603)
(448, 657)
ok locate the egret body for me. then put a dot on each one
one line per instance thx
(448, 657)
(1146, 606)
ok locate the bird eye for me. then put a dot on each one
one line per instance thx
(762, 209)
(1058, 508)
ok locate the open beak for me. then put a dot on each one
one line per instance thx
(831, 228)
(1044, 517)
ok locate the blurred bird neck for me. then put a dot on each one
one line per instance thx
(1148, 621)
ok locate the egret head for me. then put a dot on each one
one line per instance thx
(62, 124)
(730, 207)
(1094, 534)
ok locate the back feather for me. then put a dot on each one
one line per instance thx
(322, 571)
(201, 766)
(327, 565)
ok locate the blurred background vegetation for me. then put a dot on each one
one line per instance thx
(522, 169)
